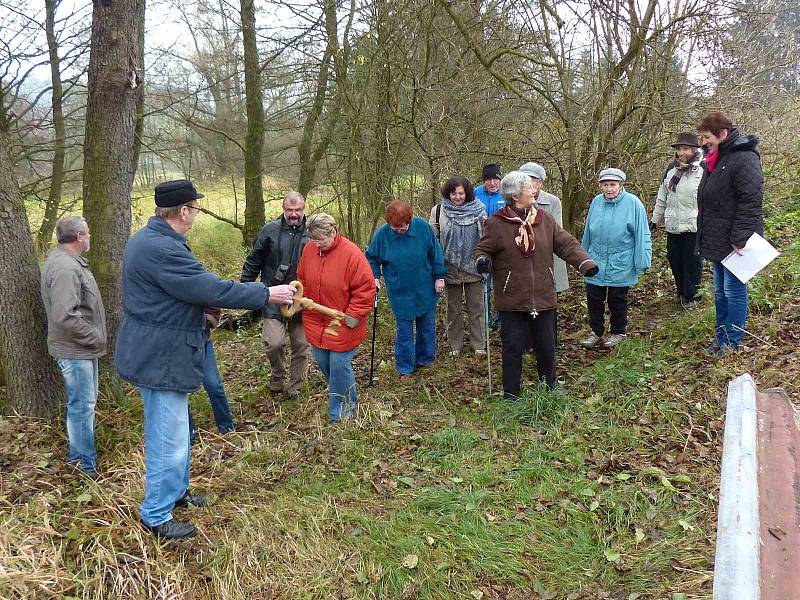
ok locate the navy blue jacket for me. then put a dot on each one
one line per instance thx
(161, 340)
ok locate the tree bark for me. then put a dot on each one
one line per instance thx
(34, 386)
(254, 214)
(45, 234)
(116, 75)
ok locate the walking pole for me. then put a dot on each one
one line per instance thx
(372, 353)
(488, 330)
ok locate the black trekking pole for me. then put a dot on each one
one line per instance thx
(488, 331)
(372, 377)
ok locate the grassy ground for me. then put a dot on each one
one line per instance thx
(437, 490)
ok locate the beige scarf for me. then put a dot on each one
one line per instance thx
(524, 238)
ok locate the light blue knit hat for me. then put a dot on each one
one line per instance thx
(611, 174)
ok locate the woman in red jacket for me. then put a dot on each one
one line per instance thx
(335, 273)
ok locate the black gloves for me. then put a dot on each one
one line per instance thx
(593, 271)
(651, 225)
(483, 264)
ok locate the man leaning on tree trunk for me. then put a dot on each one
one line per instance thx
(76, 334)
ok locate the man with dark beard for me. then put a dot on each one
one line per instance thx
(274, 258)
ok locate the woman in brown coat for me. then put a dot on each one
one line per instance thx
(517, 248)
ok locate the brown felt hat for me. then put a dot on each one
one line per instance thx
(687, 138)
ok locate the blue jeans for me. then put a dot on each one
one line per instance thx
(80, 379)
(166, 453)
(212, 382)
(730, 297)
(407, 354)
(338, 370)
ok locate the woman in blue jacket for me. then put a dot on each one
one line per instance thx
(408, 255)
(617, 237)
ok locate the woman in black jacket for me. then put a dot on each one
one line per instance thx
(729, 212)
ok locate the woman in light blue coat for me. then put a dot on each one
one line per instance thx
(617, 237)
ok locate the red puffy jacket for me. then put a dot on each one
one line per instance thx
(338, 278)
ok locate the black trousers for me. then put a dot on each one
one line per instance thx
(520, 331)
(687, 267)
(617, 298)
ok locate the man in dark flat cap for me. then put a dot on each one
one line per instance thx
(161, 344)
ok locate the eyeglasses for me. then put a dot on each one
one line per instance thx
(323, 238)
(194, 207)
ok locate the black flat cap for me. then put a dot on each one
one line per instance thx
(175, 193)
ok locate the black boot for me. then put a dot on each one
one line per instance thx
(193, 499)
(172, 530)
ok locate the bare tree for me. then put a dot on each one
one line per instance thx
(59, 130)
(254, 215)
(591, 76)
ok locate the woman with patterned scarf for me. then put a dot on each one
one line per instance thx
(676, 209)
(517, 248)
(458, 223)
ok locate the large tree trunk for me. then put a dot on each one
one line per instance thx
(116, 75)
(34, 386)
(254, 215)
(48, 225)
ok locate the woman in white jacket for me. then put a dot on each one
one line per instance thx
(676, 210)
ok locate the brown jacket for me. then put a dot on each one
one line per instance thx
(527, 283)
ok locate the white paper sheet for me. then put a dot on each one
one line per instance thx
(756, 255)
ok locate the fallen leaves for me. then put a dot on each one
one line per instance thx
(410, 561)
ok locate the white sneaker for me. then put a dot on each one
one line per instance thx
(591, 340)
(613, 339)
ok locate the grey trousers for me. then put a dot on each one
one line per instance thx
(274, 336)
(476, 314)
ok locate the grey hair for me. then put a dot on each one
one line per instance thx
(169, 212)
(68, 228)
(293, 197)
(320, 225)
(511, 185)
